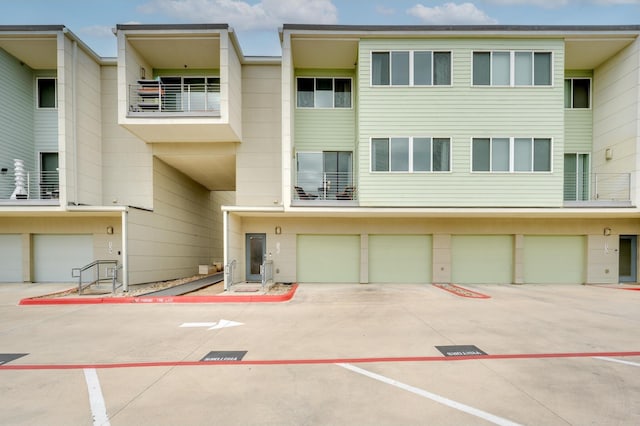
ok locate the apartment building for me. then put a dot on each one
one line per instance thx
(365, 154)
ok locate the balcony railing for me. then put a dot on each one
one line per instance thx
(174, 99)
(601, 189)
(28, 186)
(336, 188)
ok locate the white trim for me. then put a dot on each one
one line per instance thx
(411, 53)
(55, 94)
(410, 170)
(512, 70)
(571, 107)
(333, 99)
(512, 155)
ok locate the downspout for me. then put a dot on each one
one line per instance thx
(74, 115)
(225, 245)
(125, 252)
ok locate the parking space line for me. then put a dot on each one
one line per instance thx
(604, 358)
(98, 408)
(437, 398)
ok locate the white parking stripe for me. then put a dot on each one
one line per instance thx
(605, 358)
(437, 398)
(98, 409)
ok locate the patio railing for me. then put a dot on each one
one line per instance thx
(29, 185)
(332, 186)
(174, 98)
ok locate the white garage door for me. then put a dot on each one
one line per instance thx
(400, 259)
(10, 258)
(328, 258)
(554, 259)
(482, 259)
(55, 255)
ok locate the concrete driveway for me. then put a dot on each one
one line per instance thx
(334, 354)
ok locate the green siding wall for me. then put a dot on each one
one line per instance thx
(16, 113)
(578, 133)
(45, 122)
(461, 112)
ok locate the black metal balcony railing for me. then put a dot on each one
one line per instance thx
(174, 99)
(320, 189)
(29, 185)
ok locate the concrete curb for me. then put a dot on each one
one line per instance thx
(36, 301)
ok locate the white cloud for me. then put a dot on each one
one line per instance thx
(263, 15)
(451, 14)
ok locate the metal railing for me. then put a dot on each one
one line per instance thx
(336, 186)
(266, 273)
(29, 185)
(229, 272)
(612, 186)
(174, 98)
(92, 273)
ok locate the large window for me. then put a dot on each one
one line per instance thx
(511, 155)
(577, 93)
(411, 68)
(576, 177)
(46, 92)
(324, 92)
(414, 154)
(511, 68)
(324, 174)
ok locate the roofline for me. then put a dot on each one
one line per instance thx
(167, 27)
(31, 28)
(463, 28)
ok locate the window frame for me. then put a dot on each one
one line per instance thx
(333, 90)
(55, 92)
(410, 157)
(512, 68)
(512, 155)
(411, 53)
(571, 79)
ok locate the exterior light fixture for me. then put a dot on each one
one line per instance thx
(607, 231)
(608, 154)
(109, 230)
(278, 230)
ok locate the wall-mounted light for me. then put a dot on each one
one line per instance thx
(109, 230)
(607, 231)
(143, 73)
(4, 170)
(278, 230)
(608, 154)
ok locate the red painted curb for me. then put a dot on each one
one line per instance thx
(317, 361)
(461, 291)
(161, 299)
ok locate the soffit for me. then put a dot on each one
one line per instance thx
(194, 51)
(326, 53)
(589, 53)
(38, 52)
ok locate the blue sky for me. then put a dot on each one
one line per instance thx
(256, 21)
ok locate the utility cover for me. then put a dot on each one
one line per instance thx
(218, 356)
(460, 350)
(5, 358)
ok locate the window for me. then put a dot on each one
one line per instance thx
(511, 155)
(409, 68)
(324, 173)
(324, 92)
(576, 177)
(410, 154)
(46, 92)
(510, 68)
(577, 93)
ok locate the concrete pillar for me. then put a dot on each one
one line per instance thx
(364, 258)
(441, 258)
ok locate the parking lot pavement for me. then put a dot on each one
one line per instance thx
(334, 354)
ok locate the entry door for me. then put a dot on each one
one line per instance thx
(256, 249)
(627, 260)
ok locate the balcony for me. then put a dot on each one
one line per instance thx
(602, 190)
(332, 189)
(29, 188)
(153, 99)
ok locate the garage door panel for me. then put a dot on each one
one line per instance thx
(553, 259)
(400, 259)
(56, 255)
(11, 258)
(328, 258)
(482, 259)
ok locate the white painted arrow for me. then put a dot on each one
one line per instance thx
(212, 325)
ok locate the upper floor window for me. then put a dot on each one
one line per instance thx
(324, 92)
(577, 93)
(411, 68)
(46, 87)
(511, 155)
(511, 68)
(410, 154)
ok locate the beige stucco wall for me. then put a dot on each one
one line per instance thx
(127, 165)
(171, 240)
(258, 157)
(601, 256)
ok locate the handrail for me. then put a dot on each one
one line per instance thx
(77, 273)
(35, 185)
(229, 270)
(266, 272)
(161, 97)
